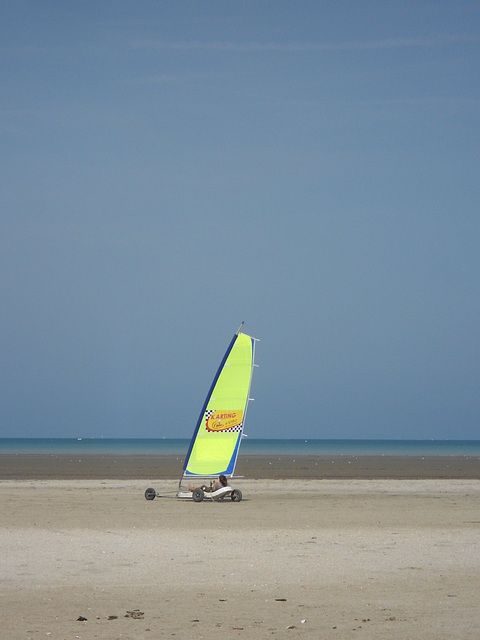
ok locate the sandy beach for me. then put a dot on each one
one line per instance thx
(129, 467)
(309, 558)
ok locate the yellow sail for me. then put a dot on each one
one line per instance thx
(217, 436)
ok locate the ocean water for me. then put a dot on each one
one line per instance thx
(250, 446)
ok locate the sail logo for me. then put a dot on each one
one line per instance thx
(218, 421)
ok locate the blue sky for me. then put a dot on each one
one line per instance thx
(170, 169)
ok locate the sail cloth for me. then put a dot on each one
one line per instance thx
(216, 440)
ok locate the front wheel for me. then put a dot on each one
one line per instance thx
(236, 495)
(150, 494)
(198, 495)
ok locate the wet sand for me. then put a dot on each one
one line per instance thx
(55, 466)
(309, 558)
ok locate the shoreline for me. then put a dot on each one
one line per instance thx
(128, 467)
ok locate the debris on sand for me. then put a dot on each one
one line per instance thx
(136, 614)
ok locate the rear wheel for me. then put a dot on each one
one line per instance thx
(150, 494)
(236, 495)
(198, 495)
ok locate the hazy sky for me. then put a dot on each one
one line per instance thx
(170, 169)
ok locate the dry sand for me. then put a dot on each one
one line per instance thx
(376, 559)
